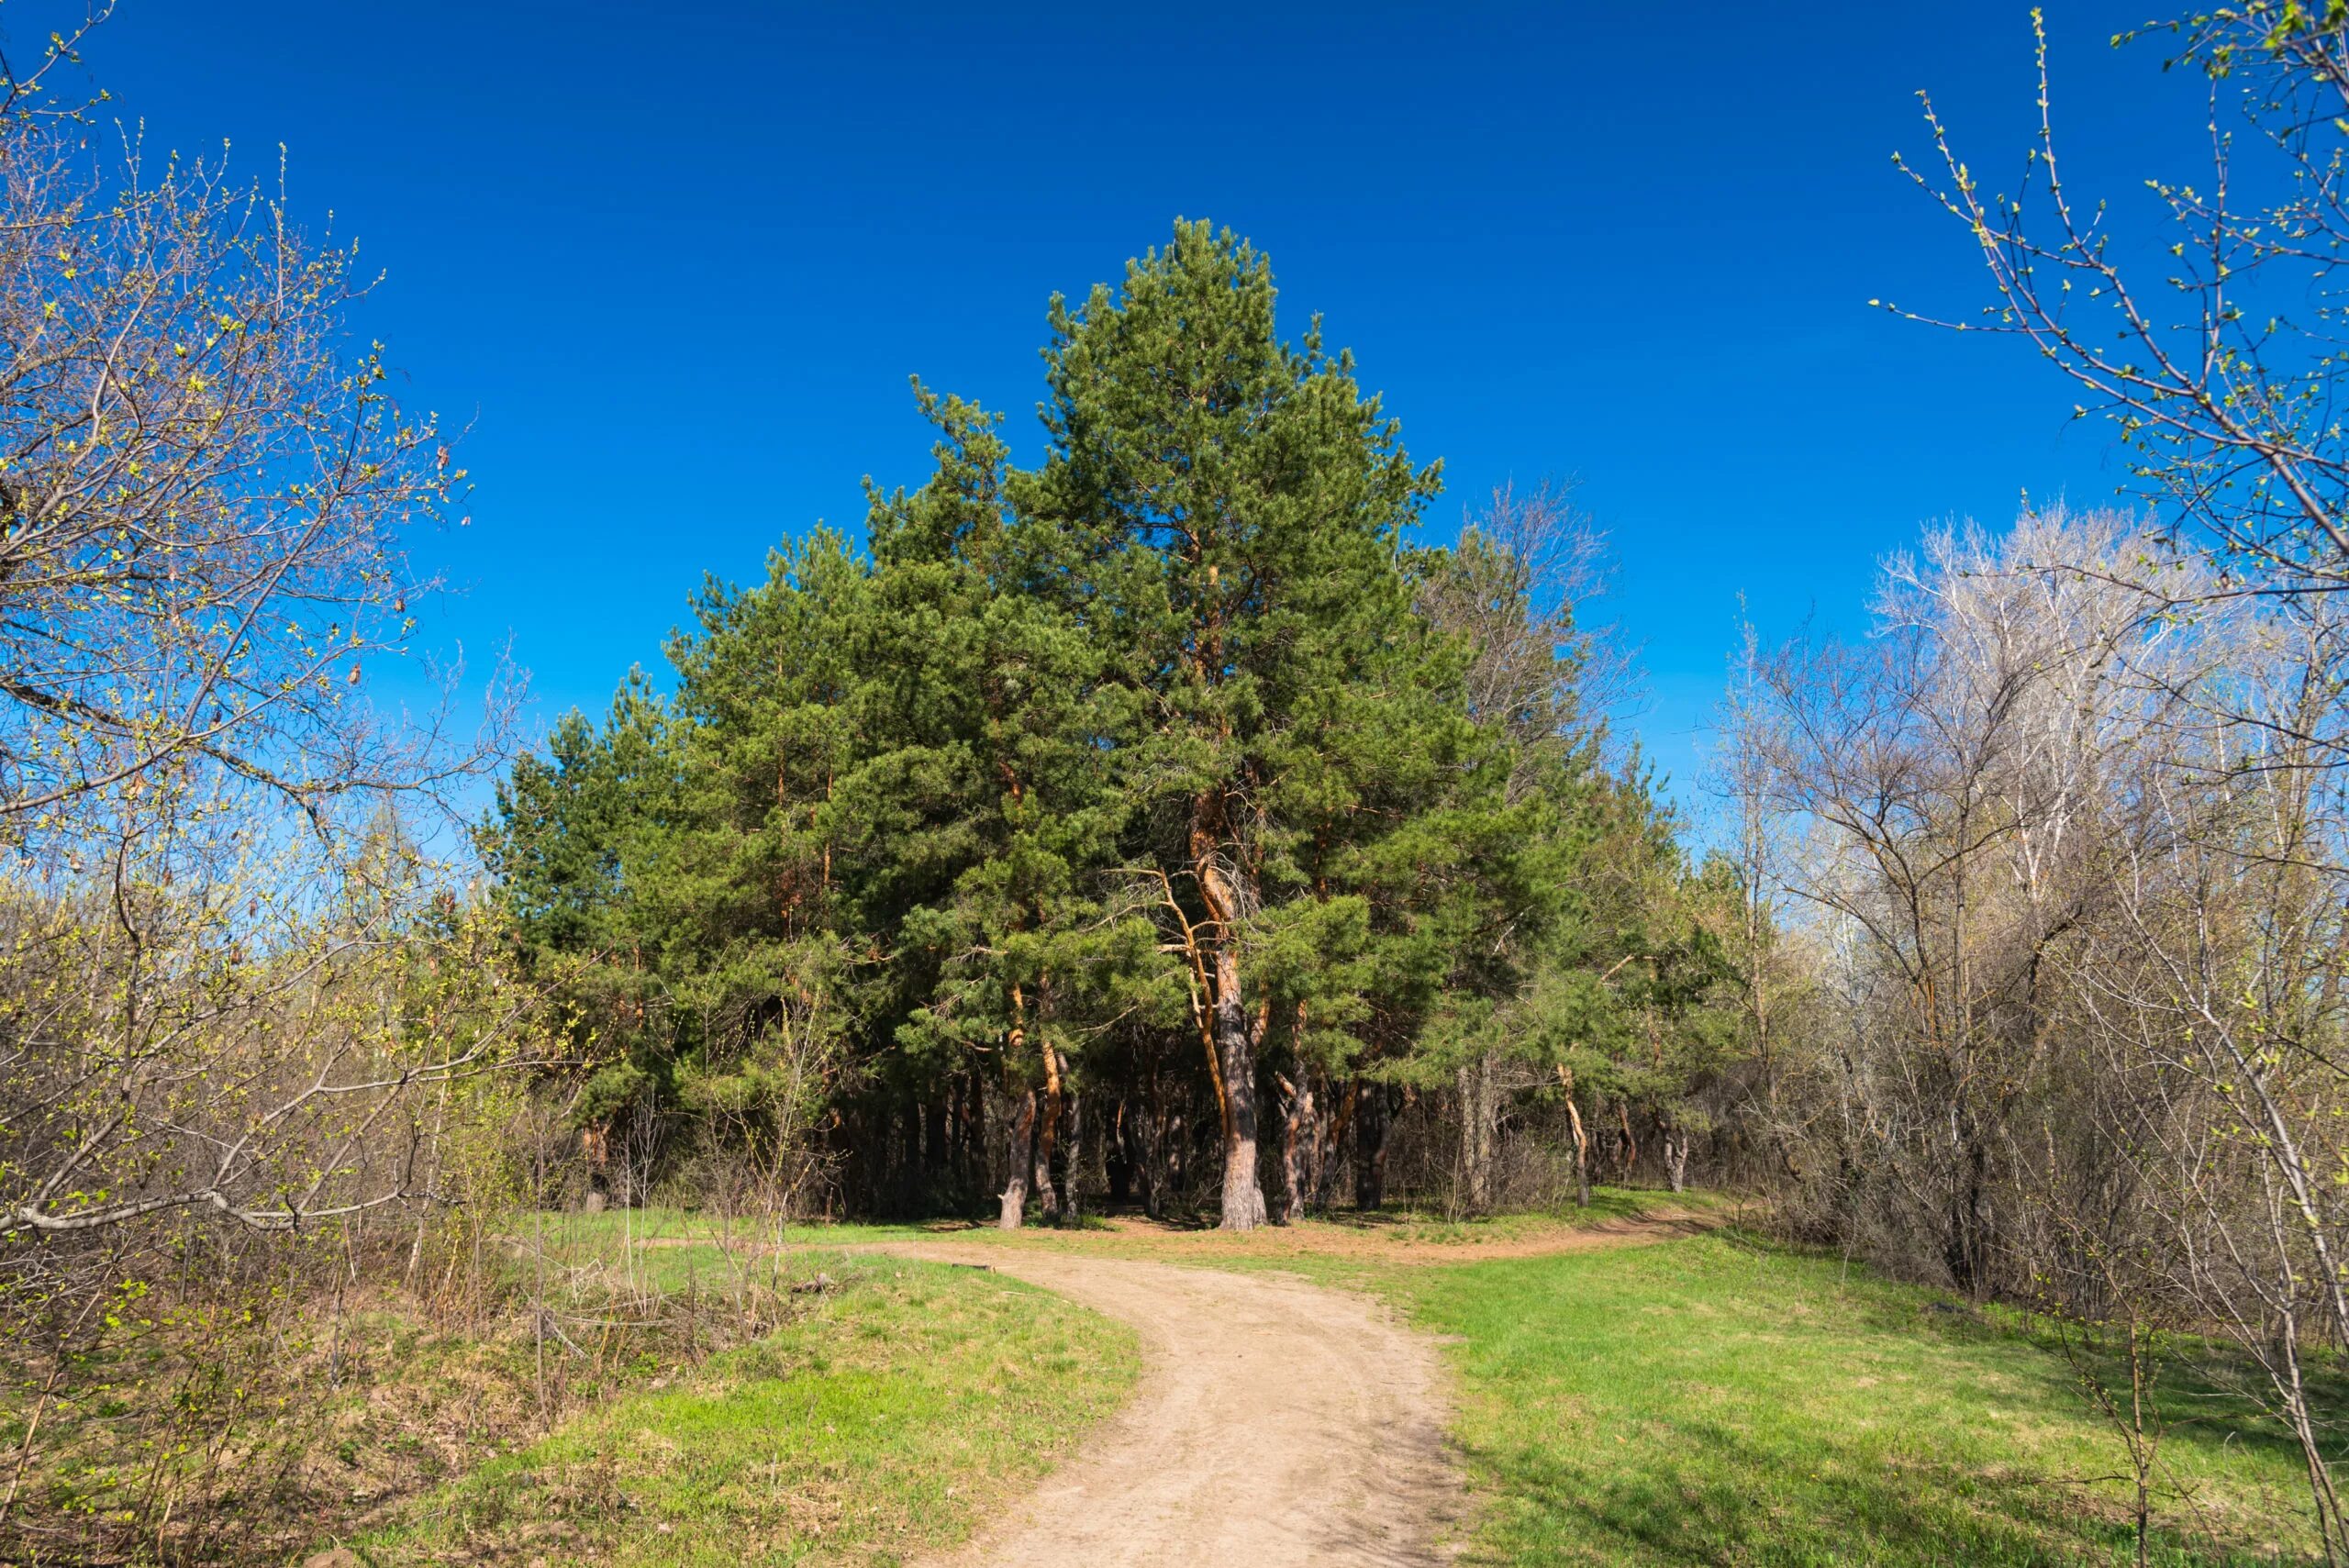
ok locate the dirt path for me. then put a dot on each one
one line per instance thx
(1374, 1244)
(1277, 1423)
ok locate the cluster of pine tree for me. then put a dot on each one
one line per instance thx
(1163, 814)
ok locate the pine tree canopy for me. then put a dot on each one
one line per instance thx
(1172, 777)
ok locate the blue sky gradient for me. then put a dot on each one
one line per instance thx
(675, 263)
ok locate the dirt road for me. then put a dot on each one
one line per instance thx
(1277, 1423)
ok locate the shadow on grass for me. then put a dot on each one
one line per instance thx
(2207, 1394)
(1720, 1400)
(1720, 1498)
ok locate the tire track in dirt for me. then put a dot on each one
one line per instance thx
(1277, 1425)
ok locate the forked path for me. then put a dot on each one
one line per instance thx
(1276, 1424)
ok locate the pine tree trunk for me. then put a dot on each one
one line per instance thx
(1243, 1198)
(1177, 1158)
(1048, 1200)
(1300, 1132)
(1118, 1159)
(1479, 1113)
(1150, 1151)
(1049, 1137)
(1072, 1158)
(1371, 1123)
(1332, 1135)
(1018, 1158)
(1233, 1040)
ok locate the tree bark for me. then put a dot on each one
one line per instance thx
(1582, 1140)
(1300, 1138)
(1048, 1126)
(1326, 1162)
(1371, 1122)
(1235, 1044)
(1018, 1158)
(1477, 1115)
(1149, 1134)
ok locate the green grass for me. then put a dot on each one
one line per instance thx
(1698, 1400)
(661, 1226)
(1704, 1401)
(877, 1426)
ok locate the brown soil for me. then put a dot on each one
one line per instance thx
(1380, 1244)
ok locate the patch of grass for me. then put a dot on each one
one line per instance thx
(609, 1234)
(1705, 1401)
(875, 1427)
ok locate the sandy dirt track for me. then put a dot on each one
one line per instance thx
(1277, 1423)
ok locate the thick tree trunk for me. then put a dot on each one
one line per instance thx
(1019, 1156)
(1300, 1141)
(1230, 1034)
(1243, 1198)
(1479, 1113)
(1676, 1157)
(1049, 1137)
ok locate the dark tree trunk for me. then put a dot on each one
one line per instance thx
(974, 1129)
(1119, 1163)
(1371, 1124)
(933, 1136)
(1072, 1158)
(1479, 1113)
(1332, 1135)
(1176, 1161)
(1018, 1160)
(1150, 1151)
(1967, 1249)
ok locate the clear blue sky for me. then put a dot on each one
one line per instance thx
(675, 262)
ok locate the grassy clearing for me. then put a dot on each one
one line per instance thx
(1711, 1401)
(1705, 1401)
(1326, 1248)
(1694, 1400)
(875, 1426)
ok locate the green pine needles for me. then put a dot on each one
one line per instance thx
(1161, 817)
